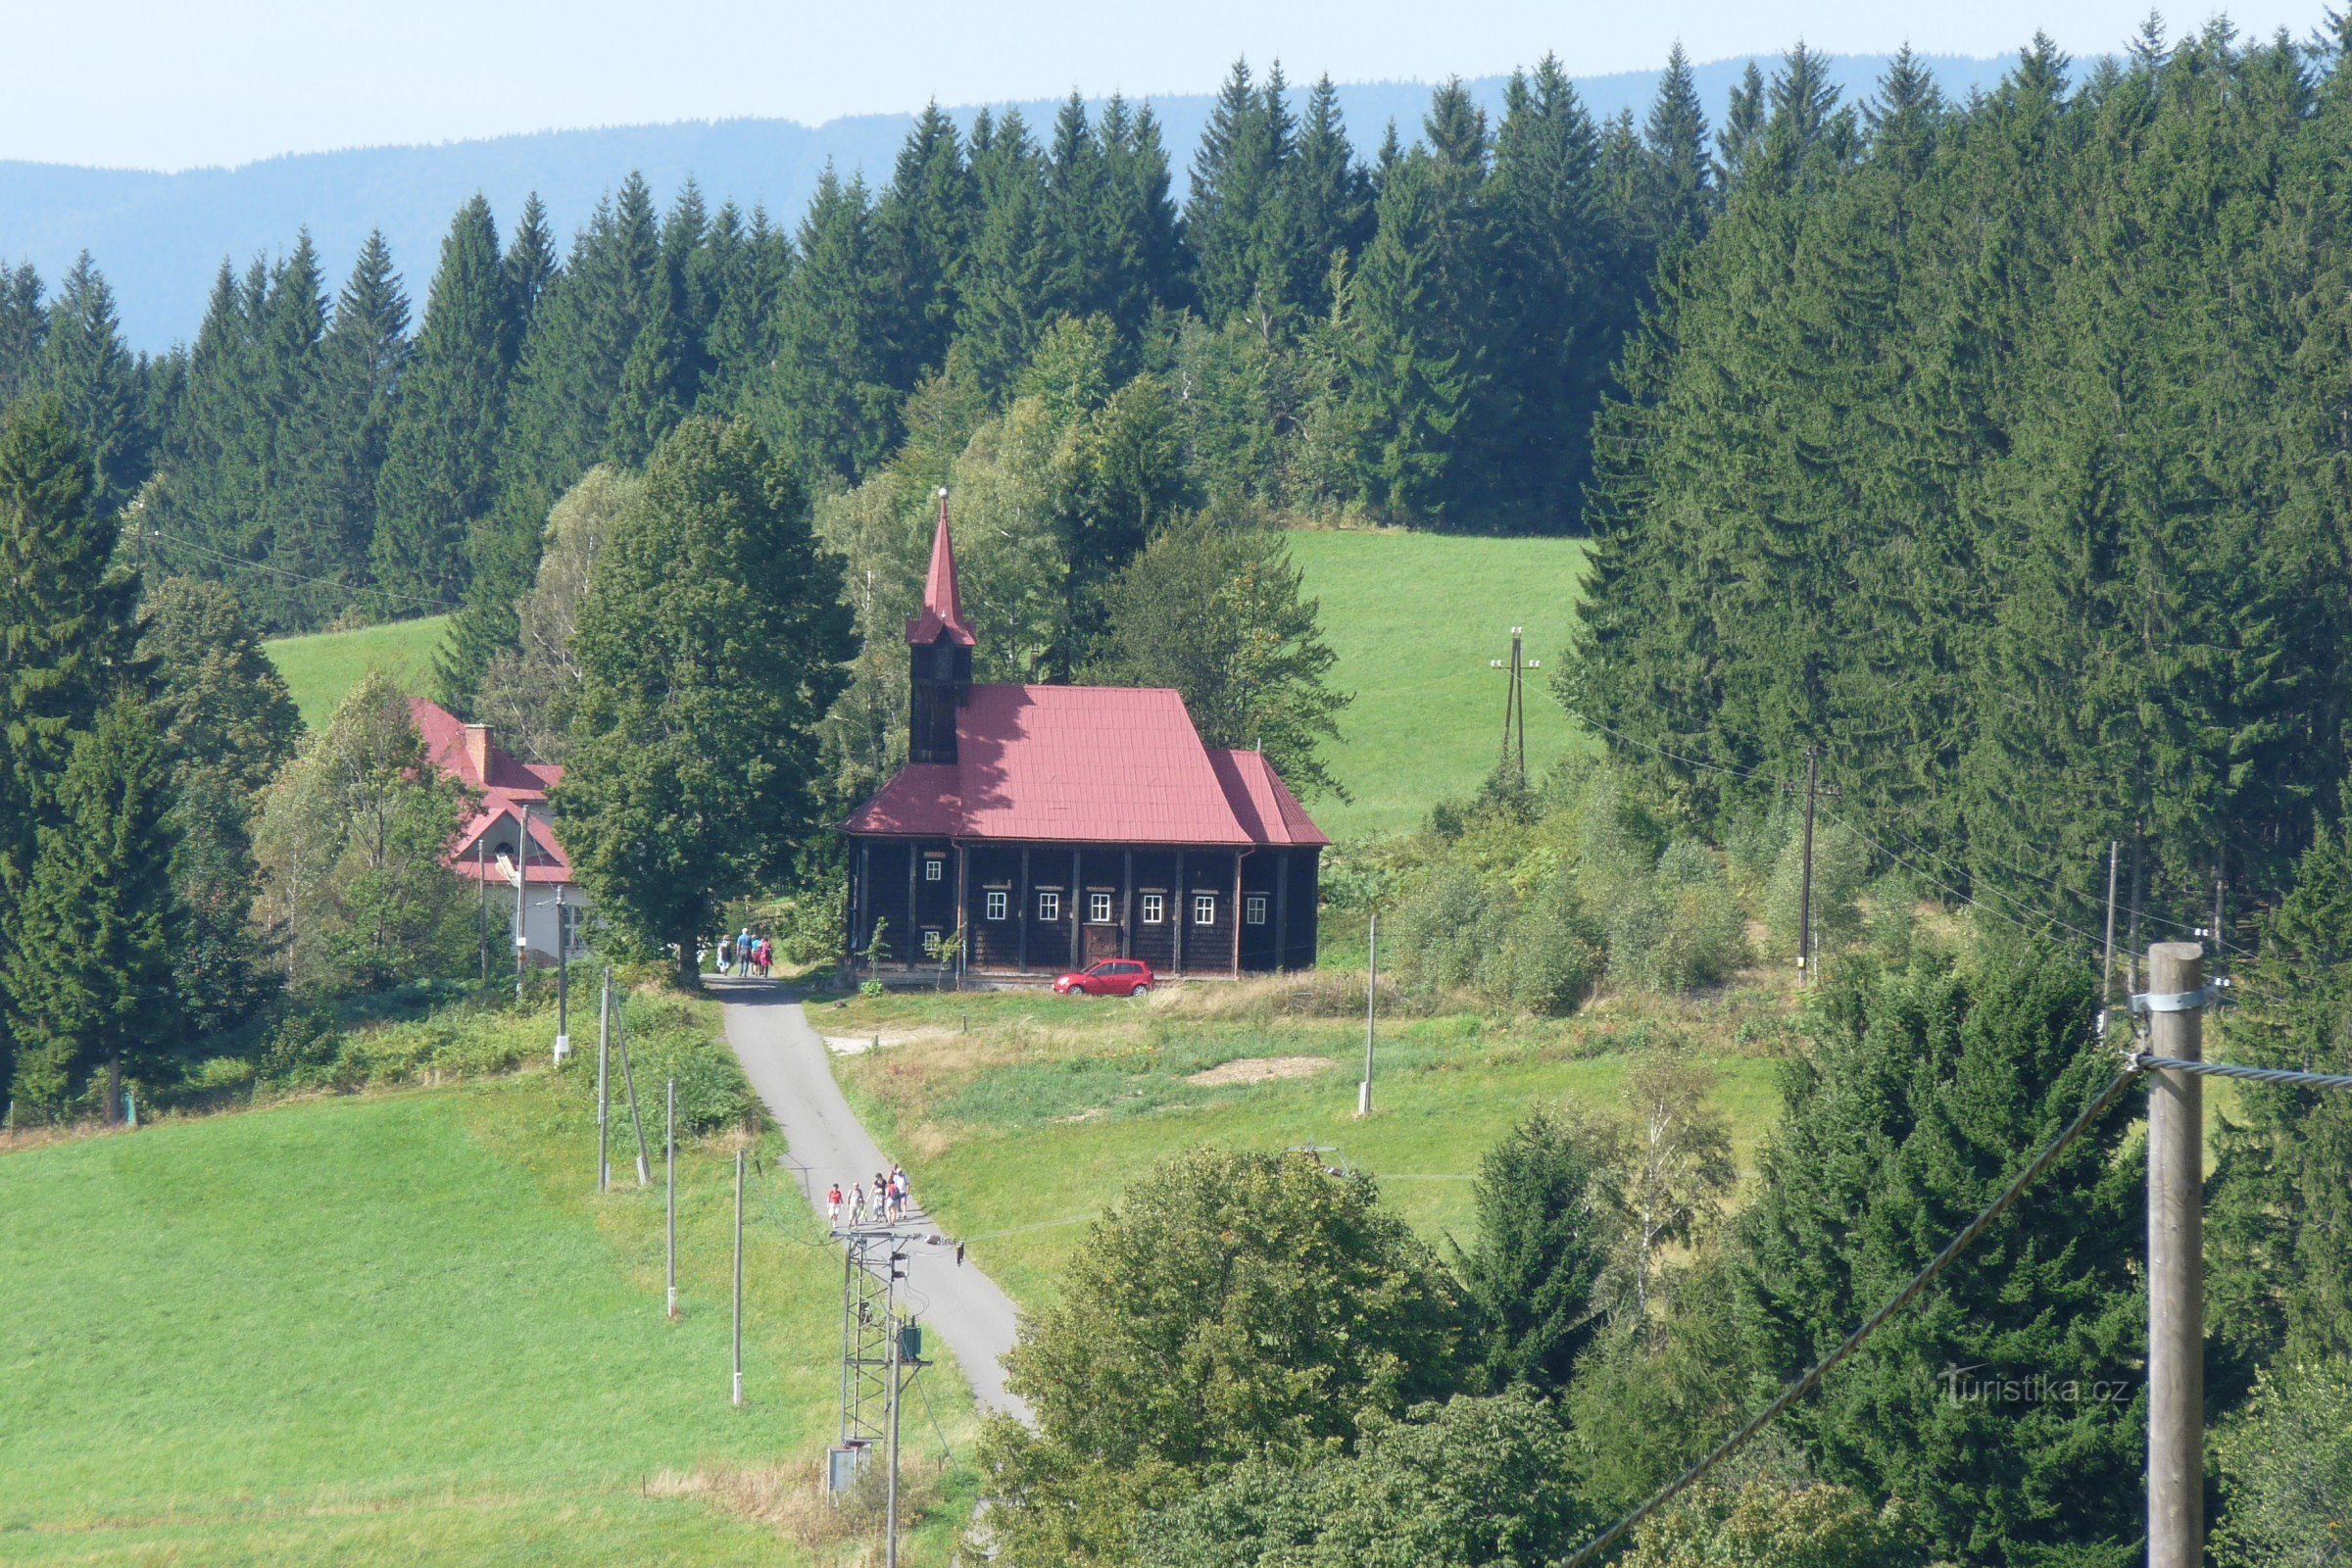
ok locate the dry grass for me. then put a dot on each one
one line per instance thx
(1261, 1070)
(791, 1500)
(1305, 993)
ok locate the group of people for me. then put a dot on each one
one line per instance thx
(887, 1206)
(746, 955)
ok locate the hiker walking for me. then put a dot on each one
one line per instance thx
(856, 1205)
(833, 1206)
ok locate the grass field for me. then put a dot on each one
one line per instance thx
(322, 667)
(1022, 1115)
(399, 1329)
(1414, 617)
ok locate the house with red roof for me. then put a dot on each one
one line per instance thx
(1057, 826)
(508, 842)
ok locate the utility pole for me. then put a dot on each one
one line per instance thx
(604, 1086)
(890, 1493)
(2175, 1003)
(562, 984)
(2107, 959)
(481, 874)
(739, 1279)
(1363, 1094)
(1805, 904)
(523, 877)
(670, 1182)
(1515, 701)
(628, 1078)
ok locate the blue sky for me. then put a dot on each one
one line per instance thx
(171, 84)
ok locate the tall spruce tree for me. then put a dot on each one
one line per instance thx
(1005, 305)
(89, 973)
(1326, 201)
(228, 725)
(66, 644)
(924, 226)
(335, 440)
(1138, 244)
(86, 366)
(1926, 1092)
(1233, 218)
(24, 331)
(441, 461)
(829, 402)
(1554, 249)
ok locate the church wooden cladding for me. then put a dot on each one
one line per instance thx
(916, 886)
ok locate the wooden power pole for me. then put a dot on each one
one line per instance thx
(738, 1401)
(1515, 701)
(2175, 1003)
(670, 1182)
(1363, 1094)
(1804, 901)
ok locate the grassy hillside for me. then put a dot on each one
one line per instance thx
(395, 1330)
(1414, 617)
(322, 667)
(1022, 1115)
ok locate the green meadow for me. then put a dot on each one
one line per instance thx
(322, 667)
(402, 1328)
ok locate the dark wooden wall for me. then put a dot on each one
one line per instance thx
(1130, 877)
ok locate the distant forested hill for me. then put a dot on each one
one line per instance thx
(160, 237)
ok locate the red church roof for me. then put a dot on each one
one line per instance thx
(1088, 765)
(505, 785)
(942, 599)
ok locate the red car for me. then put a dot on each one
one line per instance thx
(1106, 977)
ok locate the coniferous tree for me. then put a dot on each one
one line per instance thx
(749, 268)
(88, 974)
(23, 333)
(925, 224)
(828, 401)
(335, 441)
(441, 460)
(228, 725)
(86, 365)
(1137, 243)
(1552, 332)
(1548, 1222)
(529, 264)
(64, 640)
(1235, 218)
(1926, 1094)
(1326, 201)
(1004, 308)
(1682, 177)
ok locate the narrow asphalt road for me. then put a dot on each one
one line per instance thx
(785, 1061)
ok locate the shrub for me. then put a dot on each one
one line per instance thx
(1681, 931)
(1841, 868)
(666, 1041)
(1765, 1524)
(2286, 1470)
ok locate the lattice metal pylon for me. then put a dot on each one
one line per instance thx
(873, 1264)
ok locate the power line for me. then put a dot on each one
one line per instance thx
(1853, 1342)
(2257, 1075)
(240, 561)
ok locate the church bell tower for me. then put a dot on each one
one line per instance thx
(939, 656)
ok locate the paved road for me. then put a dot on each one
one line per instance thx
(786, 1062)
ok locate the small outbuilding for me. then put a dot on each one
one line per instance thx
(1056, 826)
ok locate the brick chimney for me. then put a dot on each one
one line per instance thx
(478, 751)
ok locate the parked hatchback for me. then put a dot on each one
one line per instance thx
(1108, 977)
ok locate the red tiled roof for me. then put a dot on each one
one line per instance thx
(1268, 808)
(505, 785)
(942, 599)
(1089, 764)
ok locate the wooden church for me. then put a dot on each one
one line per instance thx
(1057, 826)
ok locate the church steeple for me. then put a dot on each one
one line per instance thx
(939, 654)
